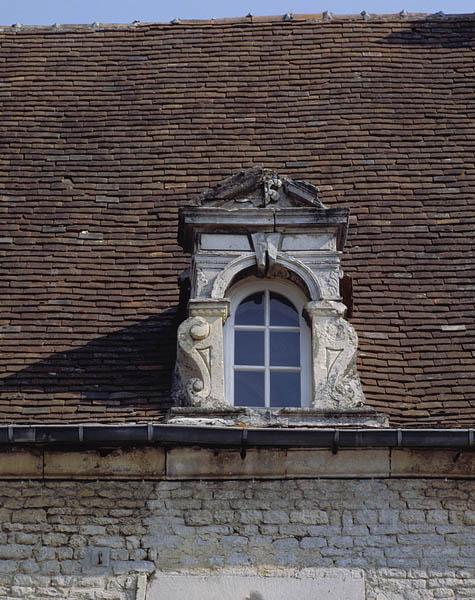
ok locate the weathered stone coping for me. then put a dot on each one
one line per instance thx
(195, 463)
(168, 452)
(360, 418)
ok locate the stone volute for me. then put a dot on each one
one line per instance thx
(259, 224)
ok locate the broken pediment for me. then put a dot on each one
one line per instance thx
(261, 188)
(260, 201)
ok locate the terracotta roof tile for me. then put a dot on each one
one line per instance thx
(107, 130)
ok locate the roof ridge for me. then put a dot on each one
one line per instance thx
(288, 18)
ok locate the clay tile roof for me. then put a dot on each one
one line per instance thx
(107, 130)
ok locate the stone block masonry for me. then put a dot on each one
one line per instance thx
(409, 539)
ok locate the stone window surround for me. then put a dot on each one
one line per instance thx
(260, 225)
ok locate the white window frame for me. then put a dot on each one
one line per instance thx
(237, 294)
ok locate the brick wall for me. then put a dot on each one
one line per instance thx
(414, 539)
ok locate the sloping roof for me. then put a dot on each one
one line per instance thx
(107, 131)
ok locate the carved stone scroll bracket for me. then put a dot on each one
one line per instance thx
(200, 362)
(334, 347)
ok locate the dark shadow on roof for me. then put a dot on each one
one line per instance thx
(442, 32)
(129, 368)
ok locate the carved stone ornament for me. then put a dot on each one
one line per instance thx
(200, 363)
(334, 346)
(261, 224)
(261, 188)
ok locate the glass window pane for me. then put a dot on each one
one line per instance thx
(282, 311)
(251, 310)
(285, 349)
(249, 388)
(284, 389)
(249, 347)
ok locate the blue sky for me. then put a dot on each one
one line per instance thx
(44, 12)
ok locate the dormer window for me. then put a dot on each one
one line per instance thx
(266, 329)
(267, 346)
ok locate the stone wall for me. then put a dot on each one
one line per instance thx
(413, 539)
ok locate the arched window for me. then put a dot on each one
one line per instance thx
(267, 346)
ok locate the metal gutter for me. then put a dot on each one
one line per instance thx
(233, 437)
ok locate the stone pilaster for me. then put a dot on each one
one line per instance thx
(336, 383)
(200, 357)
